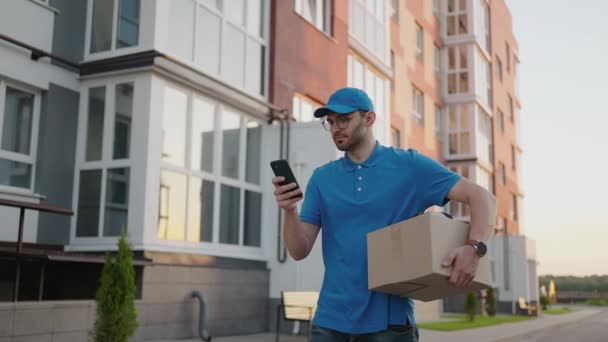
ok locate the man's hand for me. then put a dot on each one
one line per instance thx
(464, 262)
(285, 194)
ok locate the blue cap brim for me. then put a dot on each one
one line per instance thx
(340, 109)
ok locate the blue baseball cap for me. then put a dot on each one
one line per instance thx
(344, 101)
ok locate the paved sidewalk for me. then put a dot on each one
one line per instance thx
(502, 332)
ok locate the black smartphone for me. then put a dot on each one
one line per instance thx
(281, 168)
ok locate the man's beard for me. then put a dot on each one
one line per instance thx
(356, 138)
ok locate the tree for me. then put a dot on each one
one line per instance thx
(544, 302)
(491, 300)
(116, 312)
(470, 305)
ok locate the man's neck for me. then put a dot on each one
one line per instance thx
(361, 152)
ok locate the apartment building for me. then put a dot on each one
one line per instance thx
(160, 117)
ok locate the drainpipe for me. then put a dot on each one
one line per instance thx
(202, 332)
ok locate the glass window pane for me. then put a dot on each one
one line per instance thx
(358, 74)
(231, 134)
(229, 214)
(208, 40)
(464, 82)
(97, 98)
(233, 66)
(451, 25)
(128, 23)
(462, 24)
(181, 31)
(254, 17)
(234, 10)
(15, 174)
(122, 120)
(307, 113)
(463, 5)
(255, 66)
(358, 15)
(89, 198)
(17, 128)
(465, 143)
(203, 135)
(117, 202)
(253, 155)
(200, 210)
(452, 89)
(174, 126)
(101, 28)
(172, 211)
(253, 213)
(369, 30)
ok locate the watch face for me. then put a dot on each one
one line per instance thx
(481, 248)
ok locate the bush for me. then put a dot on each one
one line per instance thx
(491, 303)
(470, 306)
(116, 313)
(544, 302)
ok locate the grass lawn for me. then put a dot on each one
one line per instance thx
(558, 311)
(597, 302)
(461, 322)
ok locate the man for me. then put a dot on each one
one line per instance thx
(371, 187)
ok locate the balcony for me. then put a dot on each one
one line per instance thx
(28, 21)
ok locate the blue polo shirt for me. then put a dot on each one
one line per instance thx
(348, 200)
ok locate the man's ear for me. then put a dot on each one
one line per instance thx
(370, 118)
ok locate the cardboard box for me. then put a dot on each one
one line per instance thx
(405, 258)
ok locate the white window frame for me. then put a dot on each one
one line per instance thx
(436, 8)
(418, 106)
(298, 105)
(458, 70)
(379, 18)
(482, 17)
(18, 157)
(460, 130)
(367, 79)
(457, 209)
(484, 121)
(323, 15)
(218, 180)
(456, 15)
(113, 51)
(107, 161)
(437, 61)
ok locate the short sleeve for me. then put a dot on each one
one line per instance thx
(433, 181)
(311, 207)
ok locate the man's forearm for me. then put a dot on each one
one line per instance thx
(483, 215)
(295, 238)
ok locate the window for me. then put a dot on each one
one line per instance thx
(436, 7)
(508, 56)
(437, 61)
(483, 15)
(228, 41)
(457, 21)
(498, 64)
(484, 179)
(368, 25)
(201, 200)
(458, 209)
(395, 137)
(317, 12)
(458, 70)
(419, 42)
(502, 174)
(107, 34)
(361, 76)
(303, 108)
(513, 210)
(484, 139)
(501, 121)
(19, 110)
(511, 109)
(437, 121)
(513, 157)
(104, 170)
(460, 125)
(483, 84)
(395, 10)
(418, 106)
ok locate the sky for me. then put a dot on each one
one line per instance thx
(563, 50)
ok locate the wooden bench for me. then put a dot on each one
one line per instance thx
(297, 306)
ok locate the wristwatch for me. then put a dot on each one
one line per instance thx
(480, 247)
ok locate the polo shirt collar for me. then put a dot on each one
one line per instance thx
(350, 166)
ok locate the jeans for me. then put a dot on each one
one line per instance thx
(395, 333)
